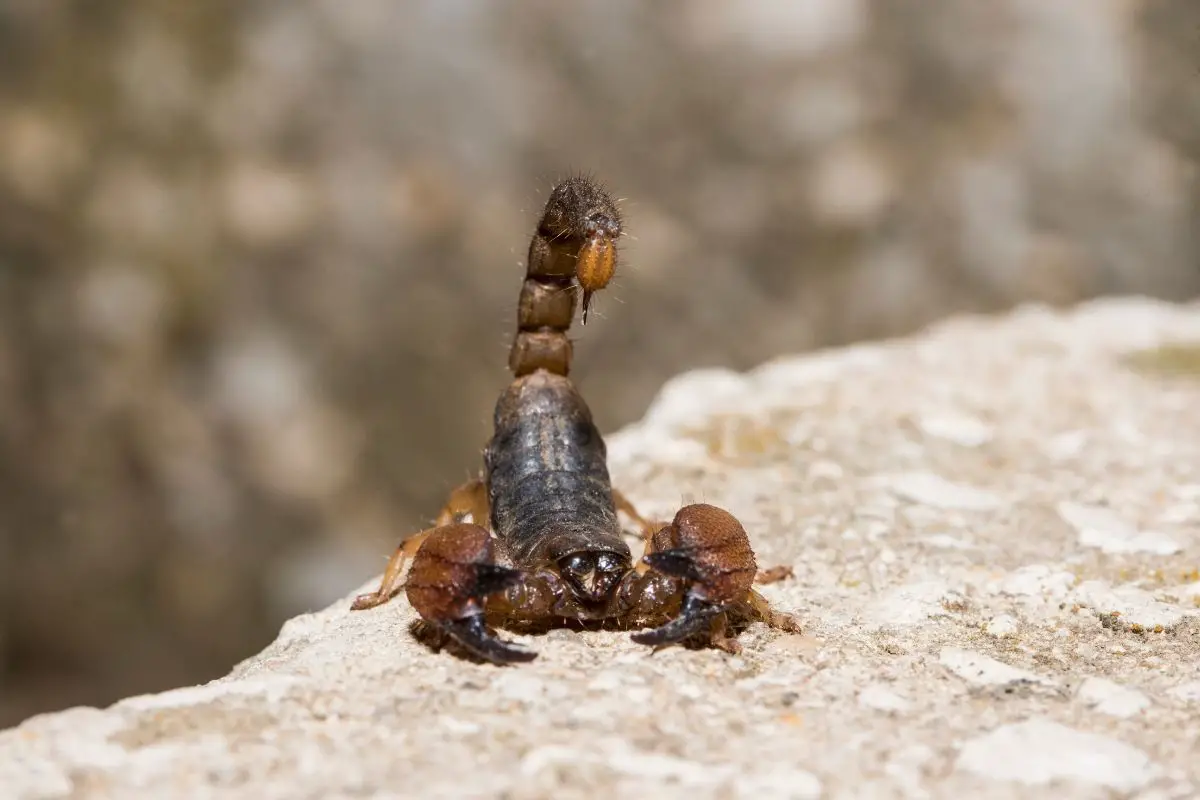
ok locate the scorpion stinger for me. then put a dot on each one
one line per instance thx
(553, 547)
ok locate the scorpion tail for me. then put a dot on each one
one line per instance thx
(575, 245)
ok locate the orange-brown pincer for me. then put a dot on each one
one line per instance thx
(453, 571)
(709, 546)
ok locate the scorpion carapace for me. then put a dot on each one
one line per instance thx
(553, 548)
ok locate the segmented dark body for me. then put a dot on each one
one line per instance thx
(547, 479)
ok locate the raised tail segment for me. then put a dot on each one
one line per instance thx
(575, 242)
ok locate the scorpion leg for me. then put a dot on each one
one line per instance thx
(469, 499)
(757, 608)
(389, 585)
(647, 528)
(775, 574)
(624, 505)
(707, 555)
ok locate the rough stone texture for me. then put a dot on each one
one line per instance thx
(995, 529)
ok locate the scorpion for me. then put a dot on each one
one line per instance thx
(544, 543)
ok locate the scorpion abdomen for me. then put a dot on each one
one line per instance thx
(548, 481)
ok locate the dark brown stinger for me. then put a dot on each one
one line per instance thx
(575, 241)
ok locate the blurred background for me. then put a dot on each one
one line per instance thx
(259, 259)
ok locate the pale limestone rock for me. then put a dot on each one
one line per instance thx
(1127, 606)
(1038, 581)
(1001, 625)
(980, 670)
(1039, 752)
(879, 697)
(961, 429)
(907, 606)
(1100, 527)
(1187, 692)
(1112, 698)
(934, 490)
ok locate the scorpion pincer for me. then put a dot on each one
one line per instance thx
(553, 549)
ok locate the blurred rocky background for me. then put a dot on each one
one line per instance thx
(259, 259)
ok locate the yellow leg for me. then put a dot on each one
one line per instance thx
(647, 528)
(761, 610)
(775, 574)
(469, 499)
(390, 585)
(719, 637)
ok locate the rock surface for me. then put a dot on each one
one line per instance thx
(995, 531)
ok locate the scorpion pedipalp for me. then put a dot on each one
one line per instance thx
(695, 616)
(473, 634)
(707, 550)
(452, 575)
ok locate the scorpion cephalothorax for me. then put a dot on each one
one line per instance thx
(555, 549)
